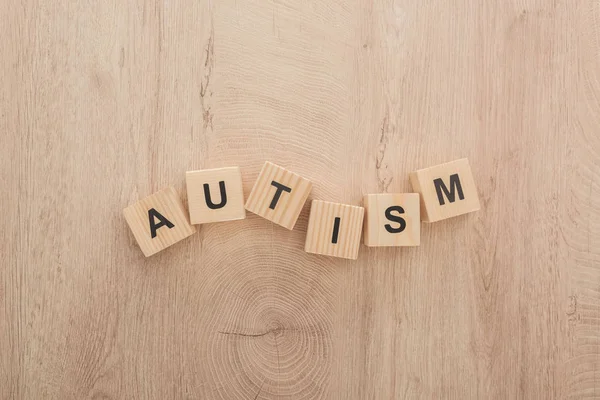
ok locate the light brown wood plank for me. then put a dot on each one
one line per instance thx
(106, 102)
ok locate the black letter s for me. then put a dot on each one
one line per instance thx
(395, 218)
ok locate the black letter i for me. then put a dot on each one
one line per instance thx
(336, 230)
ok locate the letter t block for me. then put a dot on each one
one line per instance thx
(278, 195)
(447, 190)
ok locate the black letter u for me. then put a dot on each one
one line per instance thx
(209, 202)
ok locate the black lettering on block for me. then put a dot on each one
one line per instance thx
(336, 230)
(455, 187)
(395, 218)
(280, 189)
(208, 199)
(152, 216)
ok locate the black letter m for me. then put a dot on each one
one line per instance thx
(450, 194)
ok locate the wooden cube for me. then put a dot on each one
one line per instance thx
(278, 195)
(158, 221)
(446, 190)
(215, 195)
(392, 219)
(334, 229)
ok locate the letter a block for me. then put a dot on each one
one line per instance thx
(447, 190)
(392, 219)
(215, 195)
(334, 229)
(158, 221)
(278, 195)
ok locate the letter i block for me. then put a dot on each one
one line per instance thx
(334, 229)
(158, 221)
(447, 190)
(215, 195)
(392, 219)
(278, 195)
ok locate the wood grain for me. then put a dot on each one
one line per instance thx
(106, 102)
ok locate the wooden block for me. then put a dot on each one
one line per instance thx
(158, 221)
(215, 195)
(334, 229)
(447, 190)
(392, 219)
(278, 195)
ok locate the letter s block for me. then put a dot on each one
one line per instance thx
(447, 190)
(215, 195)
(158, 221)
(392, 219)
(278, 195)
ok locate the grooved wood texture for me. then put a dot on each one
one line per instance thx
(104, 102)
(329, 237)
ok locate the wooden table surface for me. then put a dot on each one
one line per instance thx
(106, 102)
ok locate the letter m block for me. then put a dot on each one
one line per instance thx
(447, 190)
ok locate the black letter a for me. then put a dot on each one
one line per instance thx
(454, 184)
(152, 214)
(209, 202)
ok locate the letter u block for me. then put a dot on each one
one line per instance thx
(278, 195)
(158, 221)
(215, 195)
(447, 190)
